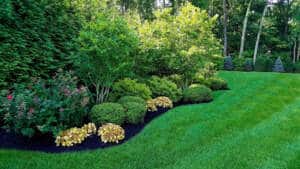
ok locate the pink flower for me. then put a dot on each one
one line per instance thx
(31, 110)
(9, 97)
(67, 92)
(30, 113)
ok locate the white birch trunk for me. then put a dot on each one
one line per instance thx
(258, 34)
(294, 51)
(298, 53)
(225, 28)
(244, 29)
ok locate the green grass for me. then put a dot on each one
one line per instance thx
(255, 125)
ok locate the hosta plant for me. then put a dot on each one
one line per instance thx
(75, 135)
(162, 102)
(151, 105)
(90, 128)
(111, 133)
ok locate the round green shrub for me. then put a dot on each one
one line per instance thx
(108, 113)
(164, 87)
(197, 94)
(297, 67)
(216, 84)
(130, 87)
(263, 64)
(177, 79)
(239, 63)
(135, 99)
(135, 112)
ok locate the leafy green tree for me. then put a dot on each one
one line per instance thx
(177, 44)
(295, 30)
(106, 53)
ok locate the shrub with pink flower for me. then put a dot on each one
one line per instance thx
(48, 106)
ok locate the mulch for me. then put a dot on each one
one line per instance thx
(45, 143)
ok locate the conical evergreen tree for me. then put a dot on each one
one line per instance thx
(228, 65)
(248, 65)
(278, 66)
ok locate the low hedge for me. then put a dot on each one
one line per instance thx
(164, 87)
(197, 94)
(108, 113)
(216, 84)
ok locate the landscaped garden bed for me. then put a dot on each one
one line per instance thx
(46, 143)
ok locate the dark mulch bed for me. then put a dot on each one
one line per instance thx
(46, 143)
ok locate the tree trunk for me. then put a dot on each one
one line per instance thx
(225, 52)
(294, 51)
(298, 54)
(244, 29)
(259, 33)
(287, 18)
(211, 8)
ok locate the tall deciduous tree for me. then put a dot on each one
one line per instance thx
(177, 44)
(106, 53)
(259, 33)
(245, 24)
(225, 20)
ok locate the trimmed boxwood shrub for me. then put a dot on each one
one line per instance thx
(164, 87)
(263, 64)
(177, 79)
(197, 94)
(297, 67)
(136, 99)
(239, 64)
(135, 112)
(216, 84)
(135, 108)
(108, 113)
(130, 87)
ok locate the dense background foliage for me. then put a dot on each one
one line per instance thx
(37, 38)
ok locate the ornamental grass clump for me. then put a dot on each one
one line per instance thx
(111, 133)
(162, 102)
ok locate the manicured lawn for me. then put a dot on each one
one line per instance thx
(254, 125)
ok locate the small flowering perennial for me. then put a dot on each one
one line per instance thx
(9, 97)
(71, 137)
(75, 135)
(163, 102)
(90, 128)
(111, 133)
(151, 105)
